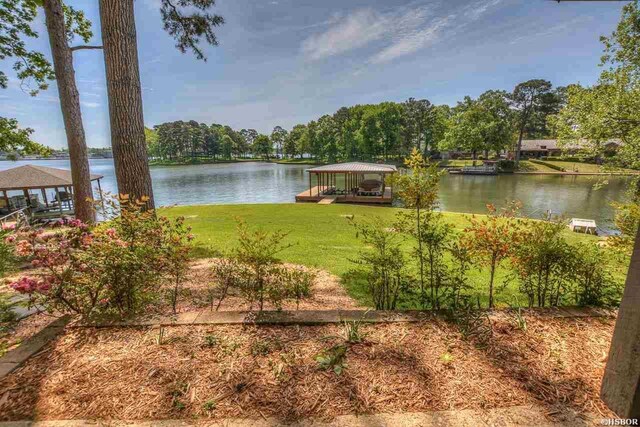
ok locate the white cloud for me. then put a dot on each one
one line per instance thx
(401, 31)
(410, 42)
(90, 104)
(351, 32)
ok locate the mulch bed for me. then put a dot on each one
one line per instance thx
(249, 371)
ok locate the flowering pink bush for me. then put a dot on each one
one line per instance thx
(112, 269)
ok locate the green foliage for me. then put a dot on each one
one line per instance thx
(257, 274)
(417, 189)
(506, 165)
(16, 26)
(333, 359)
(278, 137)
(418, 192)
(627, 220)
(382, 263)
(334, 251)
(485, 124)
(611, 108)
(262, 146)
(188, 22)
(174, 250)
(543, 261)
(533, 100)
(7, 255)
(115, 269)
(209, 405)
(352, 333)
(211, 341)
(257, 250)
(592, 282)
(491, 239)
(16, 139)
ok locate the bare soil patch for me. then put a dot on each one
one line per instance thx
(248, 371)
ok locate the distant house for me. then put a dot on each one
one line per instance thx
(549, 147)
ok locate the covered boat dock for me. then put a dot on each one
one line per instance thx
(353, 182)
(37, 192)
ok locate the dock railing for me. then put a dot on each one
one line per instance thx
(21, 215)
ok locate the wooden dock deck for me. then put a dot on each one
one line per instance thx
(313, 197)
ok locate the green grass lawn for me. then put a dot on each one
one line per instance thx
(322, 237)
(527, 166)
(586, 167)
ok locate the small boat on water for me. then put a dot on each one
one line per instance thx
(586, 226)
(487, 168)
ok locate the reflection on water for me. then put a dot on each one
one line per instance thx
(254, 182)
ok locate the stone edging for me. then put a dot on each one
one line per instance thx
(321, 317)
(16, 357)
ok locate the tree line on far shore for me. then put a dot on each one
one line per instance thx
(495, 121)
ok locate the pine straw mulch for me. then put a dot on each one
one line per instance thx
(249, 371)
(327, 292)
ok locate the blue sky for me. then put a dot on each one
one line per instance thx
(283, 62)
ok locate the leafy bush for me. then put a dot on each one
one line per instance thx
(543, 261)
(257, 250)
(229, 274)
(627, 220)
(506, 165)
(382, 263)
(458, 275)
(175, 250)
(491, 239)
(418, 192)
(257, 274)
(114, 269)
(592, 283)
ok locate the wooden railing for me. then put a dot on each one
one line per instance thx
(21, 215)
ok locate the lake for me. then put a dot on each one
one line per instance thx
(256, 182)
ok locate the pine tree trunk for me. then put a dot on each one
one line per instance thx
(125, 99)
(71, 112)
(621, 383)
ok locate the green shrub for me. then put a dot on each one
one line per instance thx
(333, 359)
(543, 261)
(592, 283)
(382, 263)
(506, 165)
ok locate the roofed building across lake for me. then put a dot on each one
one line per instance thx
(551, 147)
(354, 182)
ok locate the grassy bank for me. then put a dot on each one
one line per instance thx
(322, 237)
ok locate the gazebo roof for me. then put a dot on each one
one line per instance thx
(32, 177)
(354, 167)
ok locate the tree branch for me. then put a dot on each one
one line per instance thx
(74, 48)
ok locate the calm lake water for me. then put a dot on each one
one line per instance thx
(574, 196)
